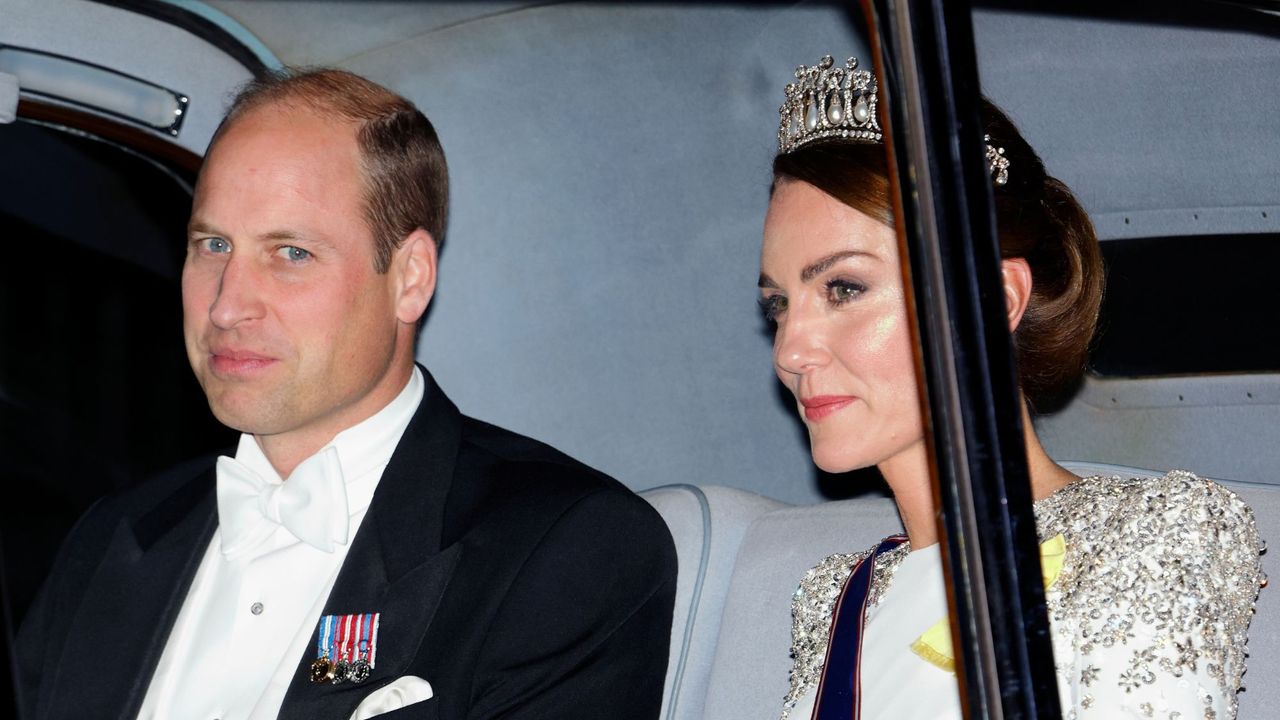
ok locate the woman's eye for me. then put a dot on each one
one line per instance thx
(294, 254)
(772, 306)
(842, 291)
(216, 245)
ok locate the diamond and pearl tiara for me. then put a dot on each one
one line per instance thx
(827, 101)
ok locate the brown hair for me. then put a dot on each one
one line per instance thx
(1037, 219)
(406, 177)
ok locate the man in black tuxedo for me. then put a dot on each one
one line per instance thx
(369, 551)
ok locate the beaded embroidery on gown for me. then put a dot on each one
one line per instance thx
(1149, 613)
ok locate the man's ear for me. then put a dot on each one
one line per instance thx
(415, 264)
(1015, 274)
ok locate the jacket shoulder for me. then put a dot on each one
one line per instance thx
(184, 483)
(502, 472)
(505, 457)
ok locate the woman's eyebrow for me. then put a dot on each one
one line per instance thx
(821, 265)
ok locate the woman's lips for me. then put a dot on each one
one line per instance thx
(821, 406)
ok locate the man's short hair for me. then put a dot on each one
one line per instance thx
(405, 174)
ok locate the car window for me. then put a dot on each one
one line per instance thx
(1216, 292)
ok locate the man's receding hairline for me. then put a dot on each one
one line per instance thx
(404, 172)
(284, 105)
(361, 159)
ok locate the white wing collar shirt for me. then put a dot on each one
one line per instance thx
(257, 596)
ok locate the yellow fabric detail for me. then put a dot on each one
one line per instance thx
(1052, 553)
(935, 644)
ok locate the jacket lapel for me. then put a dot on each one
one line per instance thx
(396, 566)
(115, 642)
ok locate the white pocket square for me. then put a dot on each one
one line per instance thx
(403, 692)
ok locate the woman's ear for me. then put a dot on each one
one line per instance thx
(1015, 273)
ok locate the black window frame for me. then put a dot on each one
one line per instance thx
(946, 225)
(925, 57)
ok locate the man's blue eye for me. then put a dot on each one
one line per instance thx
(294, 254)
(217, 245)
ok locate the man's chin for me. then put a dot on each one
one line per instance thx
(244, 414)
(237, 422)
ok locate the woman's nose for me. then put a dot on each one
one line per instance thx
(798, 346)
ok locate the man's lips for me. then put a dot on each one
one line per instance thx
(229, 362)
(821, 406)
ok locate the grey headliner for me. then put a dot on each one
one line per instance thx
(610, 169)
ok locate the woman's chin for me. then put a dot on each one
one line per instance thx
(837, 462)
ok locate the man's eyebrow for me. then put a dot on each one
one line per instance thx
(312, 239)
(198, 227)
(286, 235)
(816, 268)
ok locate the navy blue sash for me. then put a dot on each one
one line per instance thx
(840, 689)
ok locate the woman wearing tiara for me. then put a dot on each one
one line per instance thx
(1150, 583)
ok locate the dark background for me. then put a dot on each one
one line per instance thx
(95, 389)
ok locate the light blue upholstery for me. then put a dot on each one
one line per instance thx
(707, 525)
(752, 659)
(732, 632)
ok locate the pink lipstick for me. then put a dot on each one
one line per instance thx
(821, 406)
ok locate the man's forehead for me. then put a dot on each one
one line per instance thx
(283, 139)
(272, 120)
(270, 176)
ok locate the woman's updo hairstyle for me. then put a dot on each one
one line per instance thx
(1037, 219)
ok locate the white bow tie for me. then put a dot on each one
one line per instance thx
(311, 504)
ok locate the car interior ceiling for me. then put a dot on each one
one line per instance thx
(96, 391)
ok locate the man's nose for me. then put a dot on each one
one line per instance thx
(239, 297)
(799, 345)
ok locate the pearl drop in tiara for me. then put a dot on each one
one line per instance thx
(830, 102)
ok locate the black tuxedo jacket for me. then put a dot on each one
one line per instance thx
(518, 582)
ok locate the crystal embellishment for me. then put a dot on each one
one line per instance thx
(827, 101)
(1156, 590)
(817, 101)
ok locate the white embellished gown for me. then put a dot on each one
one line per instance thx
(1149, 611)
